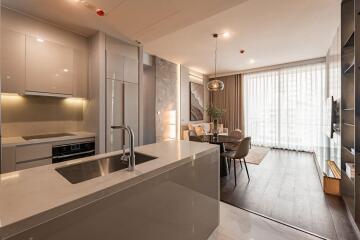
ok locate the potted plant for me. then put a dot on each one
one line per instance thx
(215, 114)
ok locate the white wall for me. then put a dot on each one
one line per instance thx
(186, 77)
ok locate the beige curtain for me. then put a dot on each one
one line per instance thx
(231, 100)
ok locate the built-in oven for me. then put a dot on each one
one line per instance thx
(65, 152)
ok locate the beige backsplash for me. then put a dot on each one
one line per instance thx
(24, 116)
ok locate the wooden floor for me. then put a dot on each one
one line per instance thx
(286, 187)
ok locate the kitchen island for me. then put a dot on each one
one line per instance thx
(175, 196)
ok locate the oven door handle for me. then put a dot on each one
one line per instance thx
(73, 154)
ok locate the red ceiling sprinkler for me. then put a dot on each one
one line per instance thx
(100, 12)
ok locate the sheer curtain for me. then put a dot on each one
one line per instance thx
(283, 108)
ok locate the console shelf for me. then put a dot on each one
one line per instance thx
(350, 102)
(350, 41)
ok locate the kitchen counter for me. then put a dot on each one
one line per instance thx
(18, 141)
(34, 196)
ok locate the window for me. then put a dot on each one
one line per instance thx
(283, 108)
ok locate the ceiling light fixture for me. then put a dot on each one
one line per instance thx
(40, 40)
(251, 61)
(66, 70)
(226, 34)
(215, 84)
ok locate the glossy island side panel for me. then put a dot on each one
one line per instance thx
(181, 203)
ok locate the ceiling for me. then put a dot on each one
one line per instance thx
(271, 32)
(142, 20)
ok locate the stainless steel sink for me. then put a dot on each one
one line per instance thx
(80, 172)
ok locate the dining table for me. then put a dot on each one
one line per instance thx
(221, 140)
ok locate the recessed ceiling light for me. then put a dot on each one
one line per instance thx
(40, 40)
(66, 70)
(226, 34)
(251, 61)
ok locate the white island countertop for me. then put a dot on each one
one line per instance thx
(33, 196)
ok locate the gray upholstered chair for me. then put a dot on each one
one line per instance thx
(237, 133)
(240, 153)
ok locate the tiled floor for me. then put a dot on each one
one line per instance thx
(238, 224)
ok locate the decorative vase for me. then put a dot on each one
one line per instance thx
(215, 122)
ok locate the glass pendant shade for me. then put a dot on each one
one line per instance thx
(215, 85)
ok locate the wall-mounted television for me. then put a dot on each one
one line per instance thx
(330, 125)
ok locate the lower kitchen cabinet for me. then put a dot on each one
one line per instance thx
(33, 152)
(8, 159)
(31, 164)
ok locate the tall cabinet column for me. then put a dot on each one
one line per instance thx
(122, 92)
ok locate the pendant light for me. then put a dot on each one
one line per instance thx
(215, 84)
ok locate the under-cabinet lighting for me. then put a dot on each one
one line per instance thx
(13, 97)
(75, 101)
(9, 94)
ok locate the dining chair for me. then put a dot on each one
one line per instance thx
(237, 133)
(240, 153)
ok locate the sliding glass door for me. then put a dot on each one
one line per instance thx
(283, 108)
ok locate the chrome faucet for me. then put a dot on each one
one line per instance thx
(131, 162)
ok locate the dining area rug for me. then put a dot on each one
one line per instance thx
(257, 154)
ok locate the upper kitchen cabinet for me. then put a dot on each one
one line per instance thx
(39, 58)
(49, 67)
(13, 61)
(131, 70)
(80, 82)
(114, 66)
(121, 61)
